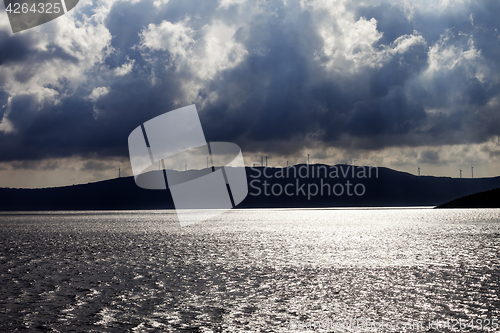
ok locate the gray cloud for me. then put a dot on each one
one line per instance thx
(429, 157)
(266, 75)
(97, 166)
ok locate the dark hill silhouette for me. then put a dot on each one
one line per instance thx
(119, 193)
(390, 188)
(487, 199)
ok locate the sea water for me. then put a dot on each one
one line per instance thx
(265, 270)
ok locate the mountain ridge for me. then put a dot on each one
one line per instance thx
(386, 188)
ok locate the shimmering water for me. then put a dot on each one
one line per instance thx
(249, 270)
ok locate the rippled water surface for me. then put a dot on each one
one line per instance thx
(247, 270)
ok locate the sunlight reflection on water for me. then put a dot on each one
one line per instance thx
(248, 270)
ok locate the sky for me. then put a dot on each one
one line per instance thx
(398, 84)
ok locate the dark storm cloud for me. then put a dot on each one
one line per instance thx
(272, 85)
(71, 129)
(472, 25)
(18, 48)
(281, 92)
(302, 100)
(3, 103)
(15, 48)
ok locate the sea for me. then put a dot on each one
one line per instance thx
(262, 270)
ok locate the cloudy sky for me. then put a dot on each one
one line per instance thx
(399, 84)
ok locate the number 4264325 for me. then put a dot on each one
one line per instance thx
(36, 8)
